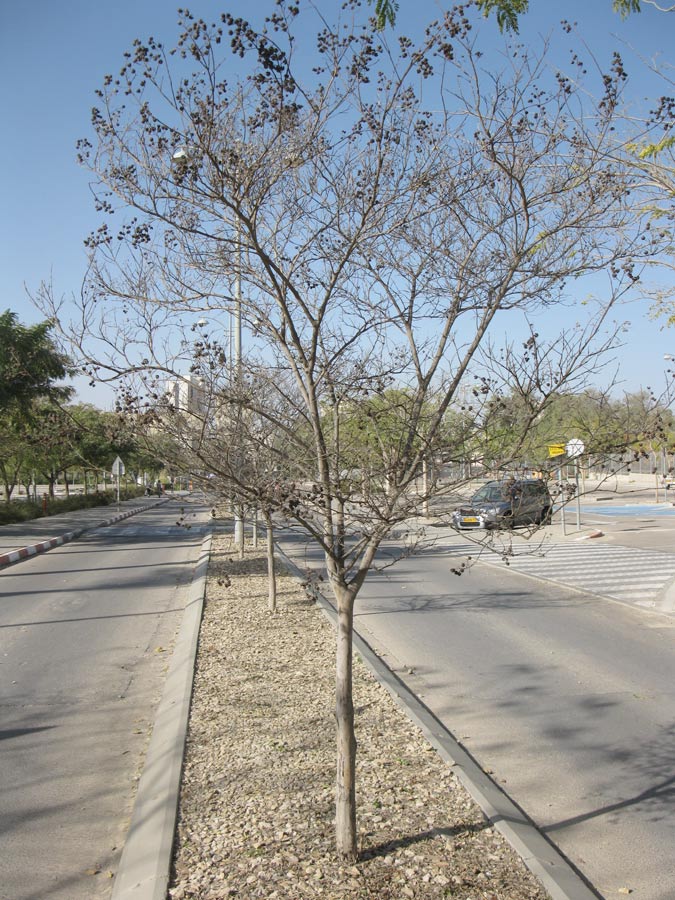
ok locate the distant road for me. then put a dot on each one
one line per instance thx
(86, 633)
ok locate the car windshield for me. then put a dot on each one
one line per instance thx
(492, 492)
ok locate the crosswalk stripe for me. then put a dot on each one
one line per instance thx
(622, 573)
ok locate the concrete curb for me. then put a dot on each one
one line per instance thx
(14, 556)
(557, 875)
(145, 867)
(593, 534)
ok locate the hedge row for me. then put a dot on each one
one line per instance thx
(25, 510)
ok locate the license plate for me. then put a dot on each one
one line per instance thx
(472, 520)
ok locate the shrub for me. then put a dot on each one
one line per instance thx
(24, 511)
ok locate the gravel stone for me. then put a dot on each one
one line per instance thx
(256, 814)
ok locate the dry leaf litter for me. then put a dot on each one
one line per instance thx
(256, 810)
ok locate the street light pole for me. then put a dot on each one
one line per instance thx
(181, 156)
(238, 517)
(237, 308)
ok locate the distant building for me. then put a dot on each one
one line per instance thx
(186, 394)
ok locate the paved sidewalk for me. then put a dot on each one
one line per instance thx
(648, 527)
(25, 539)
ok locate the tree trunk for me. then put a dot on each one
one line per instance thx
(271, 570)
(345, 800)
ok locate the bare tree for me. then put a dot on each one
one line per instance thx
(372, 216)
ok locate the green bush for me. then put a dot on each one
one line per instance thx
(18, 511)
(24, 511)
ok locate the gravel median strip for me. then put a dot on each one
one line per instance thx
(257, 800)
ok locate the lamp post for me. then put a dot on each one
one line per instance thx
(668, 358)
(180, 156)
(238, 517)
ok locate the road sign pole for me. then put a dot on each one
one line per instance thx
(118, 470)
(574, 449)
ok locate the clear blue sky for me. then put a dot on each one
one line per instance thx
(53, 55)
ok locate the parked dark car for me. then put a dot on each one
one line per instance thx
(505, 504)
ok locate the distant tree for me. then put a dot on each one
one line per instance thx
(92, 438)
(30, 365)
(50, 440)
(646, 423)
(634, 423)
(13, 452)
(30, 368)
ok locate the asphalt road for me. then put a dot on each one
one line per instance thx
(568, 699)
(86, 633)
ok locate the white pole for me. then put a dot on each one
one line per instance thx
(238, 517)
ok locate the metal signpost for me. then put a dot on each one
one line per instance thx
(553, 451)
(574, 449)
(117, 470)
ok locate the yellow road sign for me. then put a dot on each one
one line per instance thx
(556, 449)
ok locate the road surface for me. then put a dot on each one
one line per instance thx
(569, 699)
(86, 634)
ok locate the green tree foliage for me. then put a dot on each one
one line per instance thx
(30, 364)
(638, 422)
(30, 367)
(13, 454)
(375, 432)
(49, 441)
(506, 11)
(385, 12)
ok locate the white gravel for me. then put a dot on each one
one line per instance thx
(256, 808)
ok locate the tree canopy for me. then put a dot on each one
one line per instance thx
(368, 217)
(30, 364)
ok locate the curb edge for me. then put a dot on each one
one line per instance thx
(144, 869)
(14, 556)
